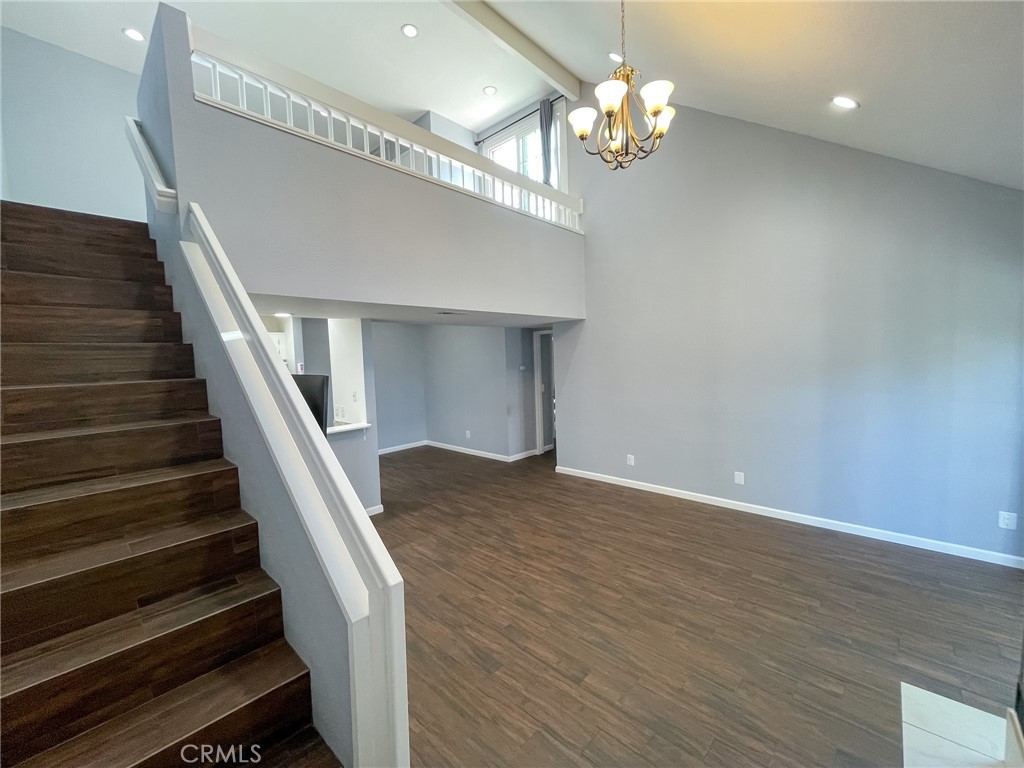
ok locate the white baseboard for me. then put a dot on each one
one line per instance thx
(818, 522)
(371, 511)
(548, 448)
(523, 455)
(480, 454)
(397, 448)
(458, 449)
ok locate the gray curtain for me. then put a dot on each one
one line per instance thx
(545, 138)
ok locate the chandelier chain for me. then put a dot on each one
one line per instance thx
(622, 19)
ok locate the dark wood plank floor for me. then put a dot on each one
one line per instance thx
(556, 621)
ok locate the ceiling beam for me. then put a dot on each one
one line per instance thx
(491, 23)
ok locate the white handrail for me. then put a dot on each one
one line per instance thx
(357, 566)
(164, 198)
(482, 177)
(335, 520)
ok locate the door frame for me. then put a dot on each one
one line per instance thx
(538, 406)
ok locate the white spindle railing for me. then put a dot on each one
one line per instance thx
(370, 134)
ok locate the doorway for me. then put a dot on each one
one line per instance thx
(544, 389)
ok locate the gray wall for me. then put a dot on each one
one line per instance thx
(521, 426)
(447, 129)
(64, 143)
(356, 450)
(842, 327)
(399, 367)
(466, 388)
(434, 382)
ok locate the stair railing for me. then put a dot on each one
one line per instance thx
(235, 79)
(354, 560)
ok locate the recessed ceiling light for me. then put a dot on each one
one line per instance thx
(844, 102)
(617, 58)
(490, 90)
(133, 34)
(409, 30)
(282, 314)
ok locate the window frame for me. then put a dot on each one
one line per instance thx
(524, 127)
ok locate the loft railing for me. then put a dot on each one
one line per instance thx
(288, 101)
(353, 559)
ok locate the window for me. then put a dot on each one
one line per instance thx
(518, 147)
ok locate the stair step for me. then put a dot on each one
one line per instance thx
(255, 700)
(59, 290)
(27, 323)
(71, 240)
(55, 690)
(305, 749)
(44, 521)
(68, 406)
(24, 364)
(12, 213)
(52, 595)
(38, 459)
(52, 260)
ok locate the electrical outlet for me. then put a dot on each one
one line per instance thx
(467, 434)
(337, 411)
(355, 396)
(1008, 520)
(342, 411)
(630, 461)
(737, 477)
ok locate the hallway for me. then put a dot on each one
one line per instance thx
(558, 621)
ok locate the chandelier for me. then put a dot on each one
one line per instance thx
(618, 143)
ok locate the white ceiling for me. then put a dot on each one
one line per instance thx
(356, 47)
(941, 83)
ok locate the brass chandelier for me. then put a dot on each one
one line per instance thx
(617, 143)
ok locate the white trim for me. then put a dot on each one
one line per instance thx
(371, 511)
(348, 427)
(458, 449)
(548, 448)
(207, 44)
(164, 198)
(506, 36)
(523, 455)
(405, 447)
(517, 129)
(203, 99)
(355, 562)
(959, 550)
(538, 409)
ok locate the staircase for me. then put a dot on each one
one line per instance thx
(134, 617)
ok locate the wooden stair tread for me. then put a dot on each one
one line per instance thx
(27, 363)
(59, 655)
(21, 499)
(65, 290)
(11, 211)
(41, 407)
(49, 567)
(101, 429)
(172, 718)
(304, 749)
(43, 259)
(134, 614)
(42, 323)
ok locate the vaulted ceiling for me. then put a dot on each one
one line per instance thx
(940, 83)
